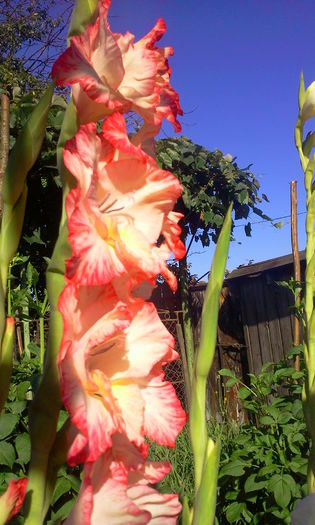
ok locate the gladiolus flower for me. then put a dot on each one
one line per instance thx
(109, 72)
(119, 212)
(121, 230)
(115, 490)
(111, 372)
(11, 501)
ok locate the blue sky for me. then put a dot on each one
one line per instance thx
(236, 67)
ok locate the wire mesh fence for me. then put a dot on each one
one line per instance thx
(174, 371)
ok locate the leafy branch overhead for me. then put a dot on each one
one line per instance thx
(32, 32)
(210, 182)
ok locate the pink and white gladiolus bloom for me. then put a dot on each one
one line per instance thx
(121, 206)
(115, 490)
(122, 229)
(111, 72)
(111, 371)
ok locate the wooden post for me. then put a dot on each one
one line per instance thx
(296, 263)
(4, 139)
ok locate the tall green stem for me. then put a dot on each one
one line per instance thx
(41, 342)
(187, 319)
(307, 111)
(47, 403)
(21, 160)
(206, 452)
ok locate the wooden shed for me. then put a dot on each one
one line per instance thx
(267, 318)
(255, 325)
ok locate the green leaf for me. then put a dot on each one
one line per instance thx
(234, 511)
(23, 447)
(243, 196)
(84, 13)
(268, 469)
(251, 484)
(34, 239)
(74, 481)
(299, 465)
(244, 393)
(281, 488)
(166, 159)
(21, 390)
(63, 416)
(63, 486)
(232, 382)
(186, 515)
(226, 372)
(7, 424)
(64, 511)
(7, 454)
(188, 160)
(206, 350)
(231, 495)
(267, 420)
(234, 468)
(16, 407)
(284, 417)
(26, 150)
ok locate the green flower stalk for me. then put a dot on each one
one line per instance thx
(21, 160)
(47, 403)
(307, 111)
(206, 452)
(6, 359)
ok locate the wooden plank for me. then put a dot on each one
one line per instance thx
(250, 321)
(282, 302)
(231, 360)
(249, 355)
(262, 319)
(273, 320)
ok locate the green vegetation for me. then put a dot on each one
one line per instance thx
(263, 463)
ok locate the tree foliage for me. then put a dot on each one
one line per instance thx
(210, 182)
(31, 35)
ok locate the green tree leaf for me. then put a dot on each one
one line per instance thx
(23, 447)
(7, 424)
(7, 454)
(234, 511)
(63, 486)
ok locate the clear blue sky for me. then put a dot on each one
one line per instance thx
(236, 67)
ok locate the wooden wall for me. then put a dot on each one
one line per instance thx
(255, 326)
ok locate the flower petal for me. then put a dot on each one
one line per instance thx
(163, 508)
(164, 417)
(12, 499)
